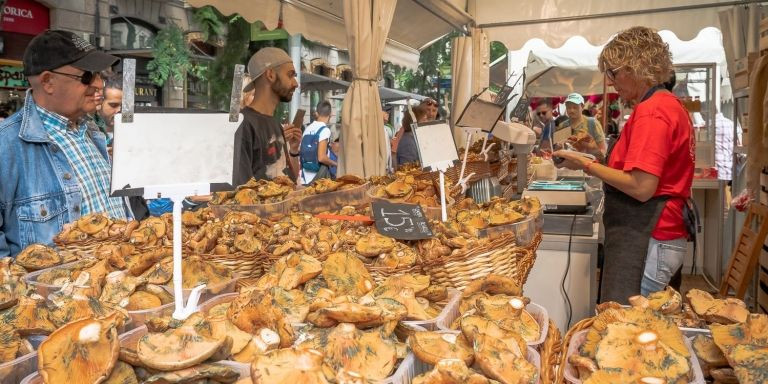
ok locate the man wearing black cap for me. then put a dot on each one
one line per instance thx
(55, 165)
(260, 143)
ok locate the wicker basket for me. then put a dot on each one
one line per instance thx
(500, 256)
(550, 352)
(86, 248)
(247, 265)
(380, 274)
(578, 327)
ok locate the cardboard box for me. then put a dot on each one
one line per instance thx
(741, 69)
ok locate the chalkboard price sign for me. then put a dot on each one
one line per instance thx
(401, 221)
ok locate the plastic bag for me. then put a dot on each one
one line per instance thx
(742, 200)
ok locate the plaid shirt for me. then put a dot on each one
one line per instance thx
(91, 168)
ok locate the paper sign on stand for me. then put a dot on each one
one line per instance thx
(173, 155)
(437, 152)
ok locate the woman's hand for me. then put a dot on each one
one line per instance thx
(573, 160)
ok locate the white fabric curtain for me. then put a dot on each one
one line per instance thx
(362, 131)
(740, 28)
(461, 81)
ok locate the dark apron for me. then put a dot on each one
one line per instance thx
(628, 227)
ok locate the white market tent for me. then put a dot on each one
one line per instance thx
(572, 67)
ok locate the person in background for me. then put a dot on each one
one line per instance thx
(55, 164)
(260, 143)
(389, 132)
(649, 171)
(431, 108)
(544, 115)
(334, 155)
(316, 139)
(408, 149)
(587, 131)
(110, 106)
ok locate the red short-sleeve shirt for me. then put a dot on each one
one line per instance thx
(658, 139)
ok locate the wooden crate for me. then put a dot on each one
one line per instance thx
(741, 69)
(762, 291)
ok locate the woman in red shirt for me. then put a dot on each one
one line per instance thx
(648, 173)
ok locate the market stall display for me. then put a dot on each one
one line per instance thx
(301, 294)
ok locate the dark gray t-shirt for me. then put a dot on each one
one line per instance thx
(407, 149)
(259, 144)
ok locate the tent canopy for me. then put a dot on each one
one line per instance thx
(572, 67)
(416, 24)
(554, 21)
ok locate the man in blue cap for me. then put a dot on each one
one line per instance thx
(586, 133)
(55, 164)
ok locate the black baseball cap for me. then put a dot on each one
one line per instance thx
(56, 48)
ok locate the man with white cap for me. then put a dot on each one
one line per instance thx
(586, 132)
(260, 141)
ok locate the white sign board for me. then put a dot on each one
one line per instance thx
(437, 148)
(172, 149)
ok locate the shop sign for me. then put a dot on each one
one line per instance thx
(25, 16)
(146, 91)
(12, 77)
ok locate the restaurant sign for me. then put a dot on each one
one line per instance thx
(12, 77)
(24, 16)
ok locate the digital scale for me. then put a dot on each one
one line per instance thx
(562, 196)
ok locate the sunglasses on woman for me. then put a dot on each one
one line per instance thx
(611, 73)
(430, 103)
(86, 78)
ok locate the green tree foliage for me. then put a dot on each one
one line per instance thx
(171, 57)
(497, 50)
(210, 22)
(235, 51)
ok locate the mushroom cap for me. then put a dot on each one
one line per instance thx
(38, 256)
(85, 349)
(178, 348)
(289, 365)
(431, 347)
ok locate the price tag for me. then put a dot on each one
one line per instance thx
(401, 221)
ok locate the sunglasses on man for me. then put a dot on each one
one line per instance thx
(430, 103)
(542, 113)
(86, 78)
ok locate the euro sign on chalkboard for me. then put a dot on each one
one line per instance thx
(401, 221)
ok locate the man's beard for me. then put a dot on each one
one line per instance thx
(285, 93)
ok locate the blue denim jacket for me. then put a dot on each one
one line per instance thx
(39, 192)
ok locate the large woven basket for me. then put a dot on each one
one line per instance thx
(578, 327)
(380, 274)
(84, 249)
(501, 256)
(247, 265)
(550, 352)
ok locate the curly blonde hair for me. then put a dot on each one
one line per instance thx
(642, 52)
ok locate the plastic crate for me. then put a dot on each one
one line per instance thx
(44, 289)
(525, 230)
(571, 373)
(538, 312)
(533, 357)
(16, 370)
(270, 211)
(449, 313)
(334, 201)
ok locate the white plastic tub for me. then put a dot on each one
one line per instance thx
(538, 312)
(533, 357)
(446, 316)
(572, 374)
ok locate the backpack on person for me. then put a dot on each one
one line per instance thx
(308, 150)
